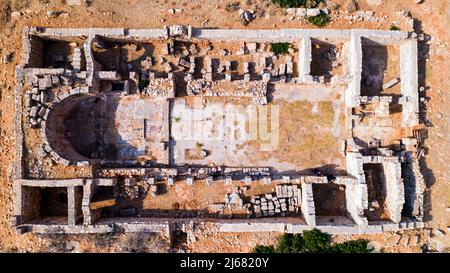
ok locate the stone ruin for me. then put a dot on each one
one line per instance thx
(59, 73)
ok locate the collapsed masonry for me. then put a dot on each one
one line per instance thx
(382, 191)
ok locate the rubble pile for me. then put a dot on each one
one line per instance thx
(134, 189)
(305, 12)
(38, 100)
(37, 106)
(246, 16)
(233, 201)
(287, 198)
(362, 15)
(241, 88)
(160, 87)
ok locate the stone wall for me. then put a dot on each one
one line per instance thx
(286, 226)
(31, 200)
(79, 191)
(18, 129)
(354, 162)
(91, 64)
(419, 187)
(395, 192)
(238, 88)
(356, 199)
(308, 208)
(279, 35)
(409, 83)
(35, 58)
(355, 61)
(75, 196)
(304, 58)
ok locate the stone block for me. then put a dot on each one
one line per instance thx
(170, 181)
(248, 179)
(246, 67)
(228, 180)
(190, 180)
(208, 76)
(167, 67)
(33, 111)
(228, 76)
(41, 112)
(150, 180)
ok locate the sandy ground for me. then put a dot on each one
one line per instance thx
(433, 20)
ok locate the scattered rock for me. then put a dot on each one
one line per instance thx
(8, 58)
(414, 240)
(375, 247)
(73, 2)
(393, 240)
(15, 14)
(55, 13)
(435, 246)
(351, 5)
(438, 232)
(173, 11)
(312, 12)
(246, 17)
(72, 246)
(334, 6)
(374, 2)
(404, 240)
(234, 6)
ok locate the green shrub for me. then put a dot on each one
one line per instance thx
(143, 83)
(280, 48)
(297, 3)
(284, 244)
(354, 246)
(198, 145)
(313, 241)
(320, 20)
(298, 244)
(316, 241)
(264, 249)
(290, 243)
(394, 27)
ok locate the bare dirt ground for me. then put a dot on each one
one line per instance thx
(433, 20)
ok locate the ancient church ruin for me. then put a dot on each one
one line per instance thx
(100, 111)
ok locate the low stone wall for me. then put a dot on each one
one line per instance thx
(355, 62)
(308, 208)
(239, 88)
(409, 83)
(161, 87)
(305, 58)
(285, 227)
